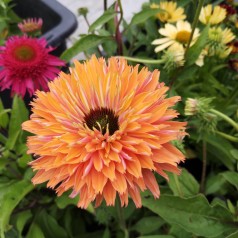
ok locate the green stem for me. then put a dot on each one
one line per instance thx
(105, 5)
(228, 137)
(145, 61)
(194, 24)
(121, 218)
(225, 117)
(204, 166)
(118, 35)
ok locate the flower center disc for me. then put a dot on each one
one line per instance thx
(102, 119)
(24, 53)
(164, 16)
(183, 37)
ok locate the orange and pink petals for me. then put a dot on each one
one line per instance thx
(104, 131)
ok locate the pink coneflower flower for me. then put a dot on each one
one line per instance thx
(26, 65)
(103, 131)
(31, 25)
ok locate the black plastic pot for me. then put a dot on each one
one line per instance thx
(58, 21)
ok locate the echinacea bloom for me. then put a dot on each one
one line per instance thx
(170, 13)
(233, 63)
(175, 35)
(234, 47)
(218, 40)
(31, 25)
(173, 57)
(230, 10)
(213, 16)
(103, 130)
(26, 65)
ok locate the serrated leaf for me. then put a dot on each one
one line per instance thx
(12, 196)
(231, 177)
(144, 15)
(19, 114)
(84, 44)
(195, 50)
(148, 225)
(183, 185)
(194, 214)
(104, 18)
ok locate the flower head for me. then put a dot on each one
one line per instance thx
(173, 57)
(31, 25)
(218, 40)
(170, 13)
(103, 130)
(230, 10)
(233, 63)
(26, 65)
(213, 16)
(175, 35)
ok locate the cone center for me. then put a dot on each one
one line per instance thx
(102, 119)
(183, 37)
(24, 53)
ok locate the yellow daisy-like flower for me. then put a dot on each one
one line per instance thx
(170, 13)
(218, 40)
(175, 35)
(210, 15)
(173, 57)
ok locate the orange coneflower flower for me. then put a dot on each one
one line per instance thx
(102, 130)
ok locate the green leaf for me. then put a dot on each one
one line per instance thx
(194, 214)
(233, 235)
(21, 220)
(215, 184)
(35, 231)
(106, 233)
(157, 236)
(64, 200)
(234, 153)
(13, 195)
(148, 225)
(179, 232)
(19, 114)
(142, 16)
(231, 177)
(219, 152)
(183, 185)
(196, 49)
(106, 17)
(3, 115)
(84, 44)
(49, 226)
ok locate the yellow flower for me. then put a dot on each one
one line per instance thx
(175, 35)
(170, 11)
(173, 57)
(218, 40)
(212, 16)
